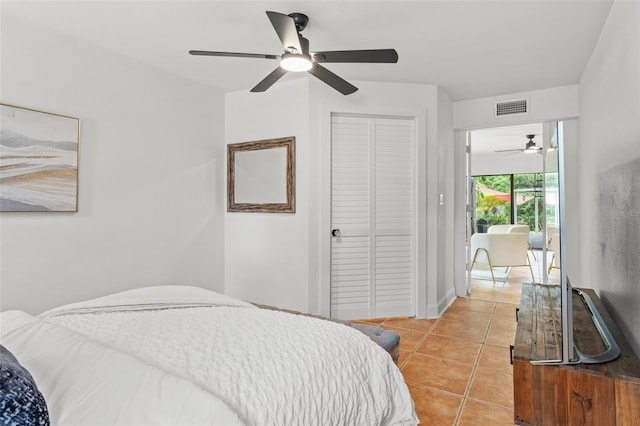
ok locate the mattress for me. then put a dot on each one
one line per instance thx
(198, 357)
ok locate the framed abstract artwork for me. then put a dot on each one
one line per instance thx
(38, 161)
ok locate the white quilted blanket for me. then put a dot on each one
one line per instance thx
(271, 367)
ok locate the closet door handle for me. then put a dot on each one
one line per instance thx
(335, 232)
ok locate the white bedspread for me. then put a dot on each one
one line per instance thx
(270, 367)
(85, 383)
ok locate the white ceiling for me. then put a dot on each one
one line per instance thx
(471, 49)
(487, 141)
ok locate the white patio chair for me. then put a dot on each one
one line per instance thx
(499, 250)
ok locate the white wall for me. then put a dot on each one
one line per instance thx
(609, 132)
(150, 176)
(284, 259)
(266, 254)
(446, 189)
(544, 105)
(491, 164)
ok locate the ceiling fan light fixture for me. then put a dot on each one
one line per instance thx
(531, 147)
(296, 62)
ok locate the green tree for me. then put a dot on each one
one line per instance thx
(529, 185)
(500, 183)
(496, 211)
(491, 208)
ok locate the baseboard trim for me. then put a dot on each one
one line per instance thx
(446, 301)
(432, 311)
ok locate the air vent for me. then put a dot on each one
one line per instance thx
(517, 107)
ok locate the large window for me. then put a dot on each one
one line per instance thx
(509, 199)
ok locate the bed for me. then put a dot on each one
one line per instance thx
(181, 355)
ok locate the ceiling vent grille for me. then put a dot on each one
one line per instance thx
(517, 107)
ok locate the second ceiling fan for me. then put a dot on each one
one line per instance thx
(529, 148)
(297, 57)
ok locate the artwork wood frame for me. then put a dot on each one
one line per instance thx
(38, 160)
(261, 176)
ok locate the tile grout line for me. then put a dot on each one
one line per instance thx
(465, 396)
(418, 344)
(497, 300)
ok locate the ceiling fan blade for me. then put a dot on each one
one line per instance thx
(269, 80)
(379, 56)
(509, 150)
(287, 32)
(338, 83)
(234, 54)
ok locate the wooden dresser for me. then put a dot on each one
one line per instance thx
(583, 394)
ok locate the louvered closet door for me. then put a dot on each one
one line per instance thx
(372, 194)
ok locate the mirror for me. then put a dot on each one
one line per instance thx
(261, 176)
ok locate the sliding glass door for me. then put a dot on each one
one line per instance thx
(508, 199)
(527, 190)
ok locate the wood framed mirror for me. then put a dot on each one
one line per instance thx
(261, 176)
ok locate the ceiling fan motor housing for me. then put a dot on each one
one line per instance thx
(300, 19)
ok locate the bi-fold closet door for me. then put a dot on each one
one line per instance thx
(372, 217)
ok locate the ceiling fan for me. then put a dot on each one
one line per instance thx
(529, 148)
(297, 58)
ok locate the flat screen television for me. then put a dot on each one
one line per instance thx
(554, 182)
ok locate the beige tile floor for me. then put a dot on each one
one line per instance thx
(457, 367)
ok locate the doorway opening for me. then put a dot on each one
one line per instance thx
(506, 195)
